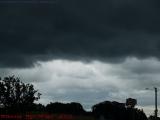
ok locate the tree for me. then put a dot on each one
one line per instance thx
(14, 93)
(66, 108)
(117, 111)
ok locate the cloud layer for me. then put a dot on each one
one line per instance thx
(78, 30)
(90, 83)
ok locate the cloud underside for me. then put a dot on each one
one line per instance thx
(93, 82)
(84, 30)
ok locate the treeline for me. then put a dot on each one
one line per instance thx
(72, 108)
(104, 110)
(17, 97)
(108, 110)
(66, 108)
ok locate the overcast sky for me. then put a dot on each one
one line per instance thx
(85, 51)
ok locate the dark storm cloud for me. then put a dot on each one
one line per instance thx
(78, 29)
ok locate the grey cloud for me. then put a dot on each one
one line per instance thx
(90, 83)
(149, 66)
(78, 30)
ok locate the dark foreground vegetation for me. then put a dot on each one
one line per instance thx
(117, 111)
(17, 102)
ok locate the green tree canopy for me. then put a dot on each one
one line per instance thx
(14, 92)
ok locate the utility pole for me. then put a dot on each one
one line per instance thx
(156, 109)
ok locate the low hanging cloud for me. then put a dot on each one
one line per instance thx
(93, 82)
(82, 30)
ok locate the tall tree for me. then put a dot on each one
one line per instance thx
(15, 93)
